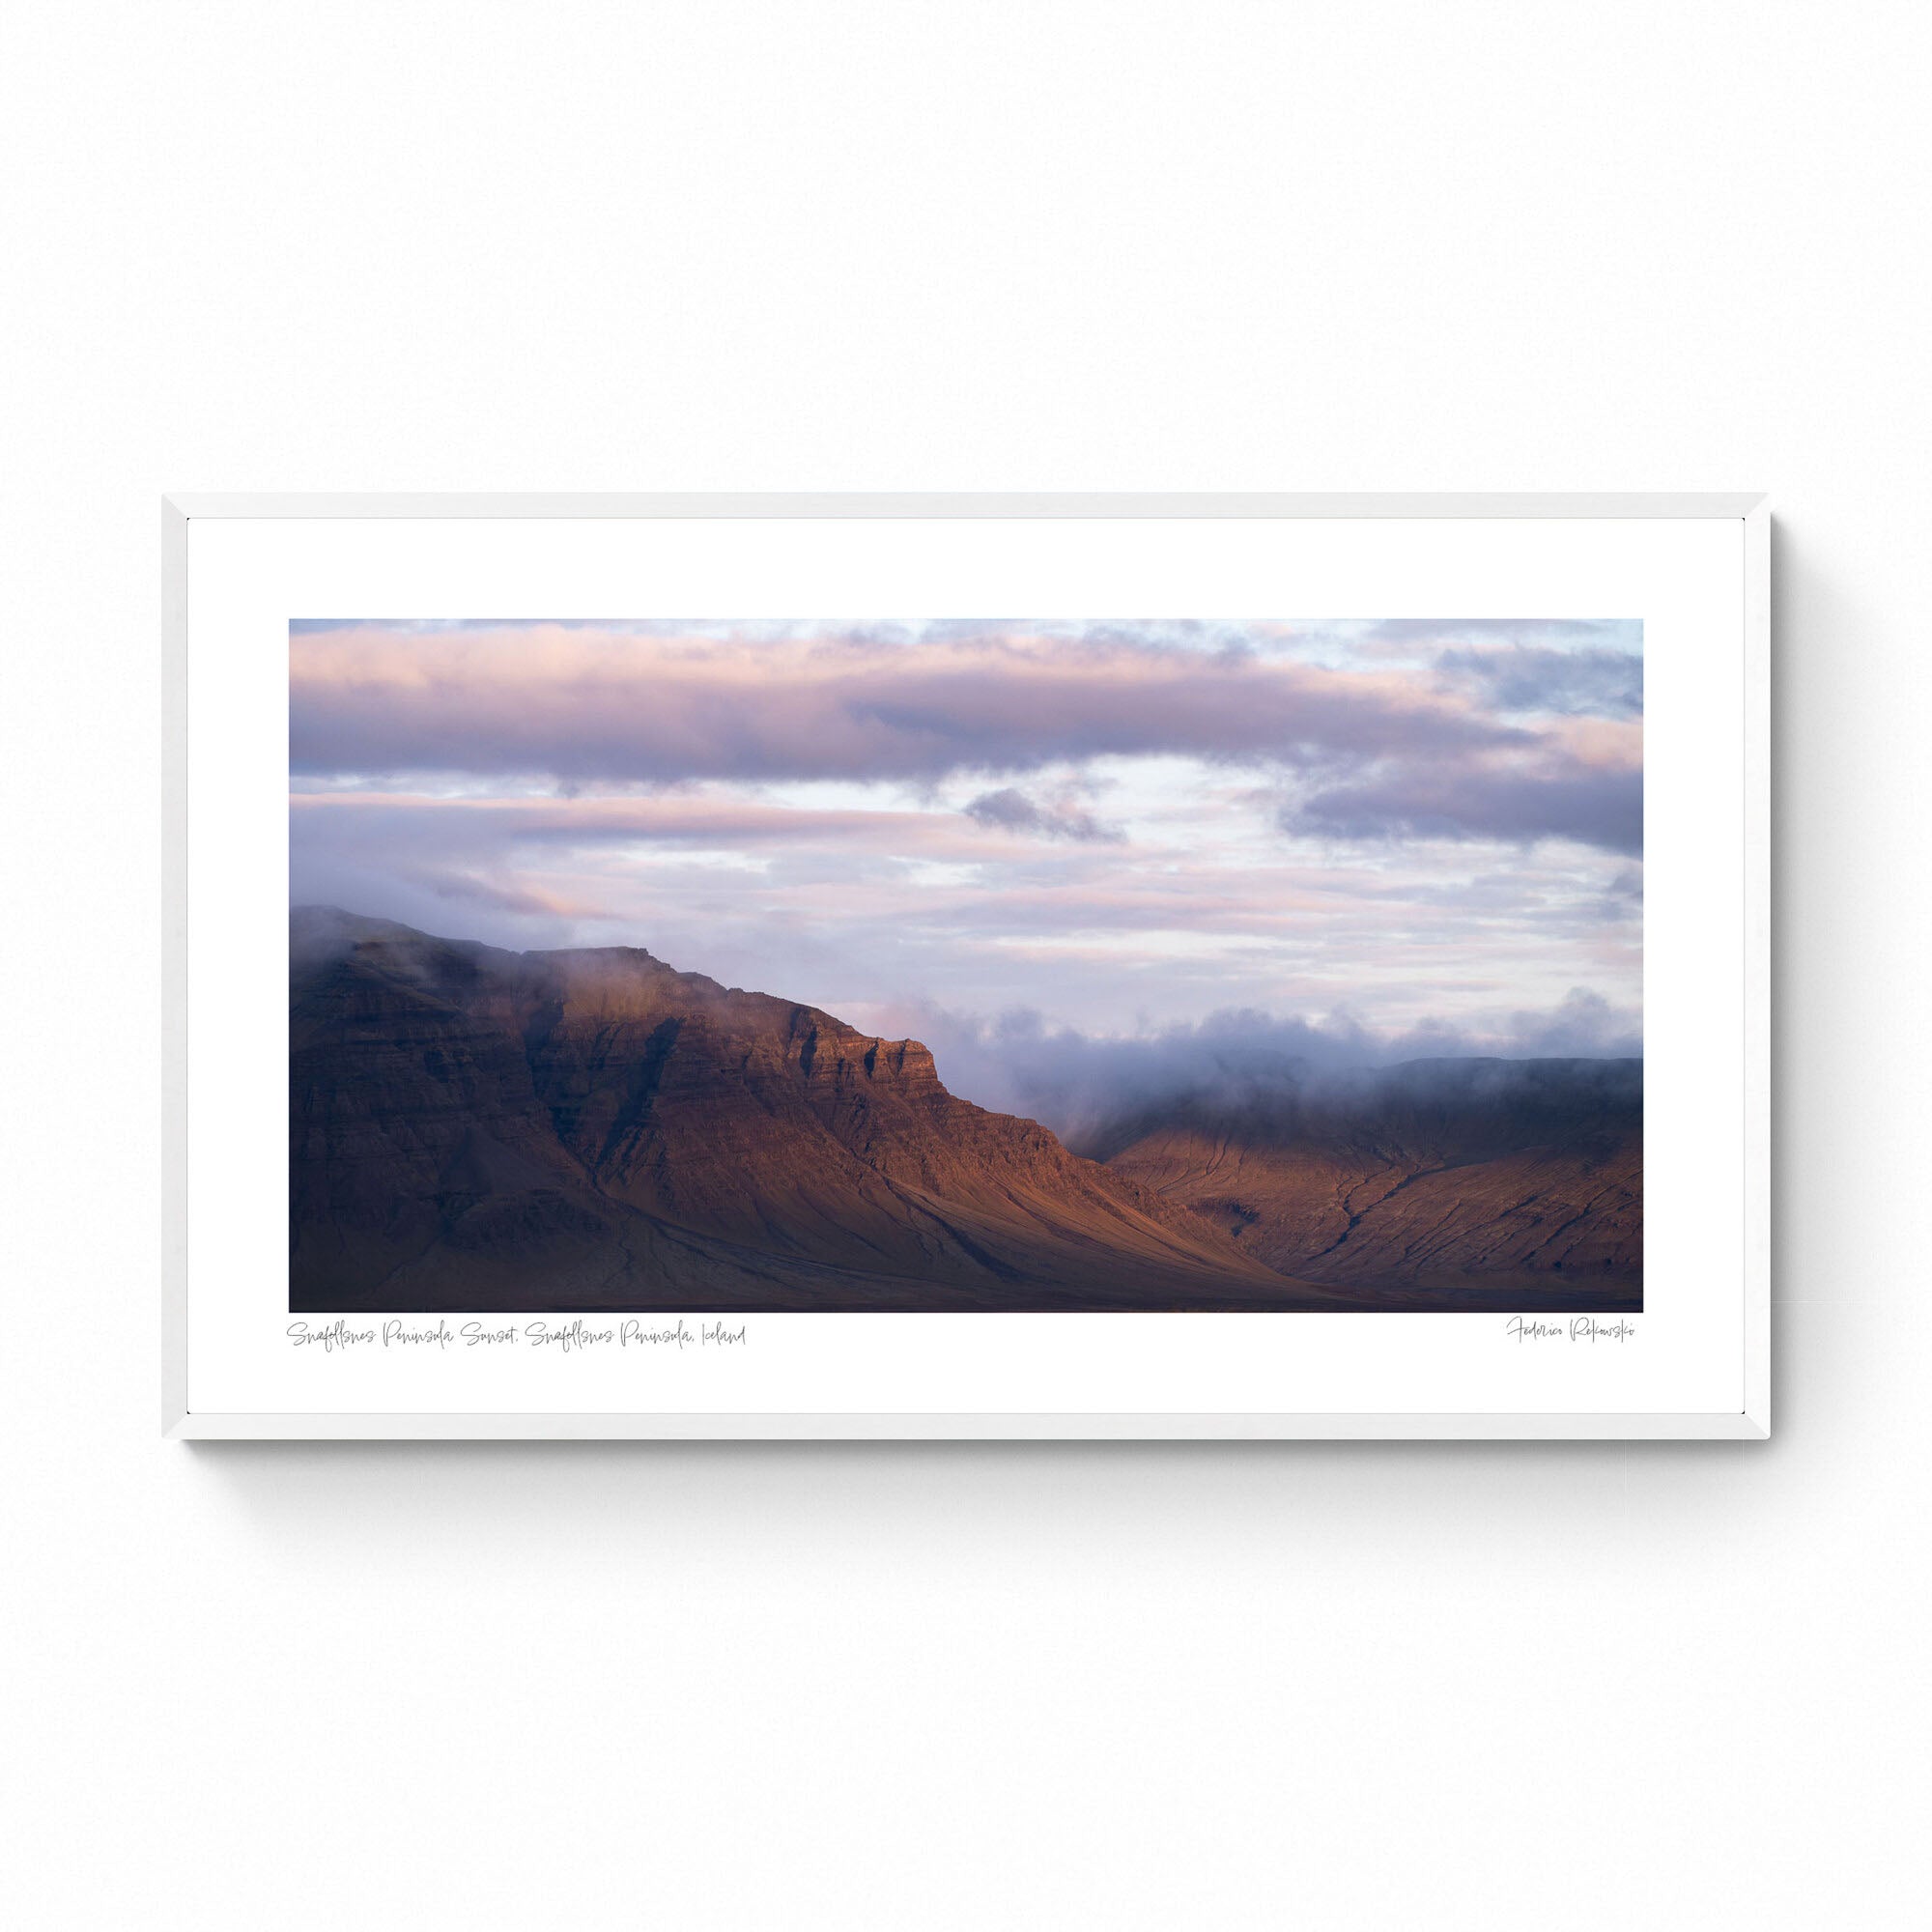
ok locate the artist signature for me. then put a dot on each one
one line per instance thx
(1578, 1328)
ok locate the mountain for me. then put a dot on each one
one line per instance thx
(478, 1128)
(1473, 1182)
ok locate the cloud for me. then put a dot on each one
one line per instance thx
(983, 831)
(1623, 896)
(1083, 1085)
(680, 818)
(1529, 678)
(1623, 634)
(1513, 740)
(1012, 810)
(605, 706)
(1576, 801)
(1103, 821)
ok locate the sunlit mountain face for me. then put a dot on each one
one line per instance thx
(473, 1128)
(1077, 965)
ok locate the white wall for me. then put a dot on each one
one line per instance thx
(1321, 246)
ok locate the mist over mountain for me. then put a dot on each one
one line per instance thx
(1084, 1084)
(1438, 1173)
(474, 1127)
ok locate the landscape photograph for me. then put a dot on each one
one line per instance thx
(976, 964)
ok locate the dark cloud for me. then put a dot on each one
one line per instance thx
(1530, 678)
(551, 784)
(1584, 803)
(577, 706)
(1082, 1086)
(1012, 810)
(1623, 896)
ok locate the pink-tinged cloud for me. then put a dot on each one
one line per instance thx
(1371, 752)
(580, 705)
(672, 818)
(1402, 822)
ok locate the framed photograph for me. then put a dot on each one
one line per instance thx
(967, 966)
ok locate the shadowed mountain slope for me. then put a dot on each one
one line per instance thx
(1467, 1178)
(477, 1128)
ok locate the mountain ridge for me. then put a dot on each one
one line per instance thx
(1460, 1176)
(471, 1126)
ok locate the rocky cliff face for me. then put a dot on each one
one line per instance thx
(472, 1127)
(1473, 1182)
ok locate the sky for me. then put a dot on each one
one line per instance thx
(1383, 836)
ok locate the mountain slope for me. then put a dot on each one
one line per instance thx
(1472, 1180)
(473, 1128)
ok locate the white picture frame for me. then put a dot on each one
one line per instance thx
(196, 553)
